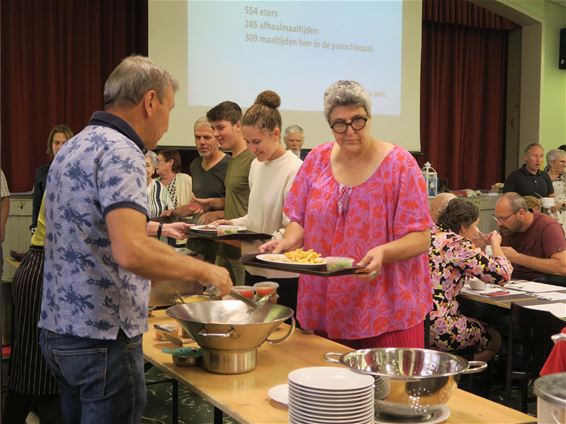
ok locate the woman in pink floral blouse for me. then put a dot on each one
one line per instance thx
(454, 257)
(363, 198)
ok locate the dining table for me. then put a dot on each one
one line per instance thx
(244, 397)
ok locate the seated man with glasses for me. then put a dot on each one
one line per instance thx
(533, 242)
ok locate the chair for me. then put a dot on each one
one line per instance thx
(535, 329)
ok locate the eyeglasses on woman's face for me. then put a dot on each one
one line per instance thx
(340, 127)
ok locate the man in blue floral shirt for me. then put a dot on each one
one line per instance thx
(98, 259)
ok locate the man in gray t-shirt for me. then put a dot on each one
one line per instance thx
(208, 172)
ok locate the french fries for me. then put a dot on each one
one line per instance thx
(301, 256)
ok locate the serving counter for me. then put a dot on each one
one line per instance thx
(244, 396)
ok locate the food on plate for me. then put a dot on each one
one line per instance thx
(302, 256)
(336, 263)
(223, 230)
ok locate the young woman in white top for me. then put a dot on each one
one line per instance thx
(271, 174)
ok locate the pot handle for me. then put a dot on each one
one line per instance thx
(286, 336)
(560, 337)
(475, 367)
(231, 333)
(331, 357)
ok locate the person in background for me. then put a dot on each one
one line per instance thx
(209, 172)
(98, 257)
(178, 184)
(454, 257)
(58, 135)
(556, 161)
(533, 242)
(533, 203)
(157, 193)
(271, 175)
(361, 197)
(225, 120)
(4, 212)
(439, 203)
(529, 180)
(294, 139)
(31, 384)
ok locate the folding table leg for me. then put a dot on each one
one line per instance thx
(175, 402)
(509, 370)
(218, 416)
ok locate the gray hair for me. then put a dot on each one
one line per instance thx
(346, 93)
(516, 201)
(202, 122)
(292, 129)
(554, 154)
(530, 146)
(132, 78)
(152, 157)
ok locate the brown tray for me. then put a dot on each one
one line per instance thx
(251, 260)
(240, 235)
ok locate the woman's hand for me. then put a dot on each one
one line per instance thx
(221, 222)
(176, 230)
(372, 262)
(494, 239)
(276, 246)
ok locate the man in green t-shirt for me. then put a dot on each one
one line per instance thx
(225, 119)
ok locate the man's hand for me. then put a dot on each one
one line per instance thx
(177, 230)
(208, 217)
(219, 277)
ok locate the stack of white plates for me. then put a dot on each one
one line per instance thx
(325, 395)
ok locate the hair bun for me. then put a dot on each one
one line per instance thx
(269, 98)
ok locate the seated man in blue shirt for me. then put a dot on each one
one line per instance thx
(98, 258)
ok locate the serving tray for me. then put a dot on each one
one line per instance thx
(252, 260)
(240, 235)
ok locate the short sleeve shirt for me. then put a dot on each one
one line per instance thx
(542, 239)
(348, 221)
(209, 183)
(237, 185)
(526, 184)
(85, 292)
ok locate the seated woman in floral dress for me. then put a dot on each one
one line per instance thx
(454, 256)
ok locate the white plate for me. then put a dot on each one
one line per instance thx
(280, 394)
(315, 418)
(329, 396)
(212, 229)
(439, 415)
(335, 394)
(204, 228)
(280, 258)
(330, 378)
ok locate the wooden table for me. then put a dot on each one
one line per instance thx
(244, 396)
(523, 299)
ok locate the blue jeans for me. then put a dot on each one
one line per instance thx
(101, 381)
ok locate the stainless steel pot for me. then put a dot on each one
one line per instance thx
(551, 398)
(409, 382)
(229, 330)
